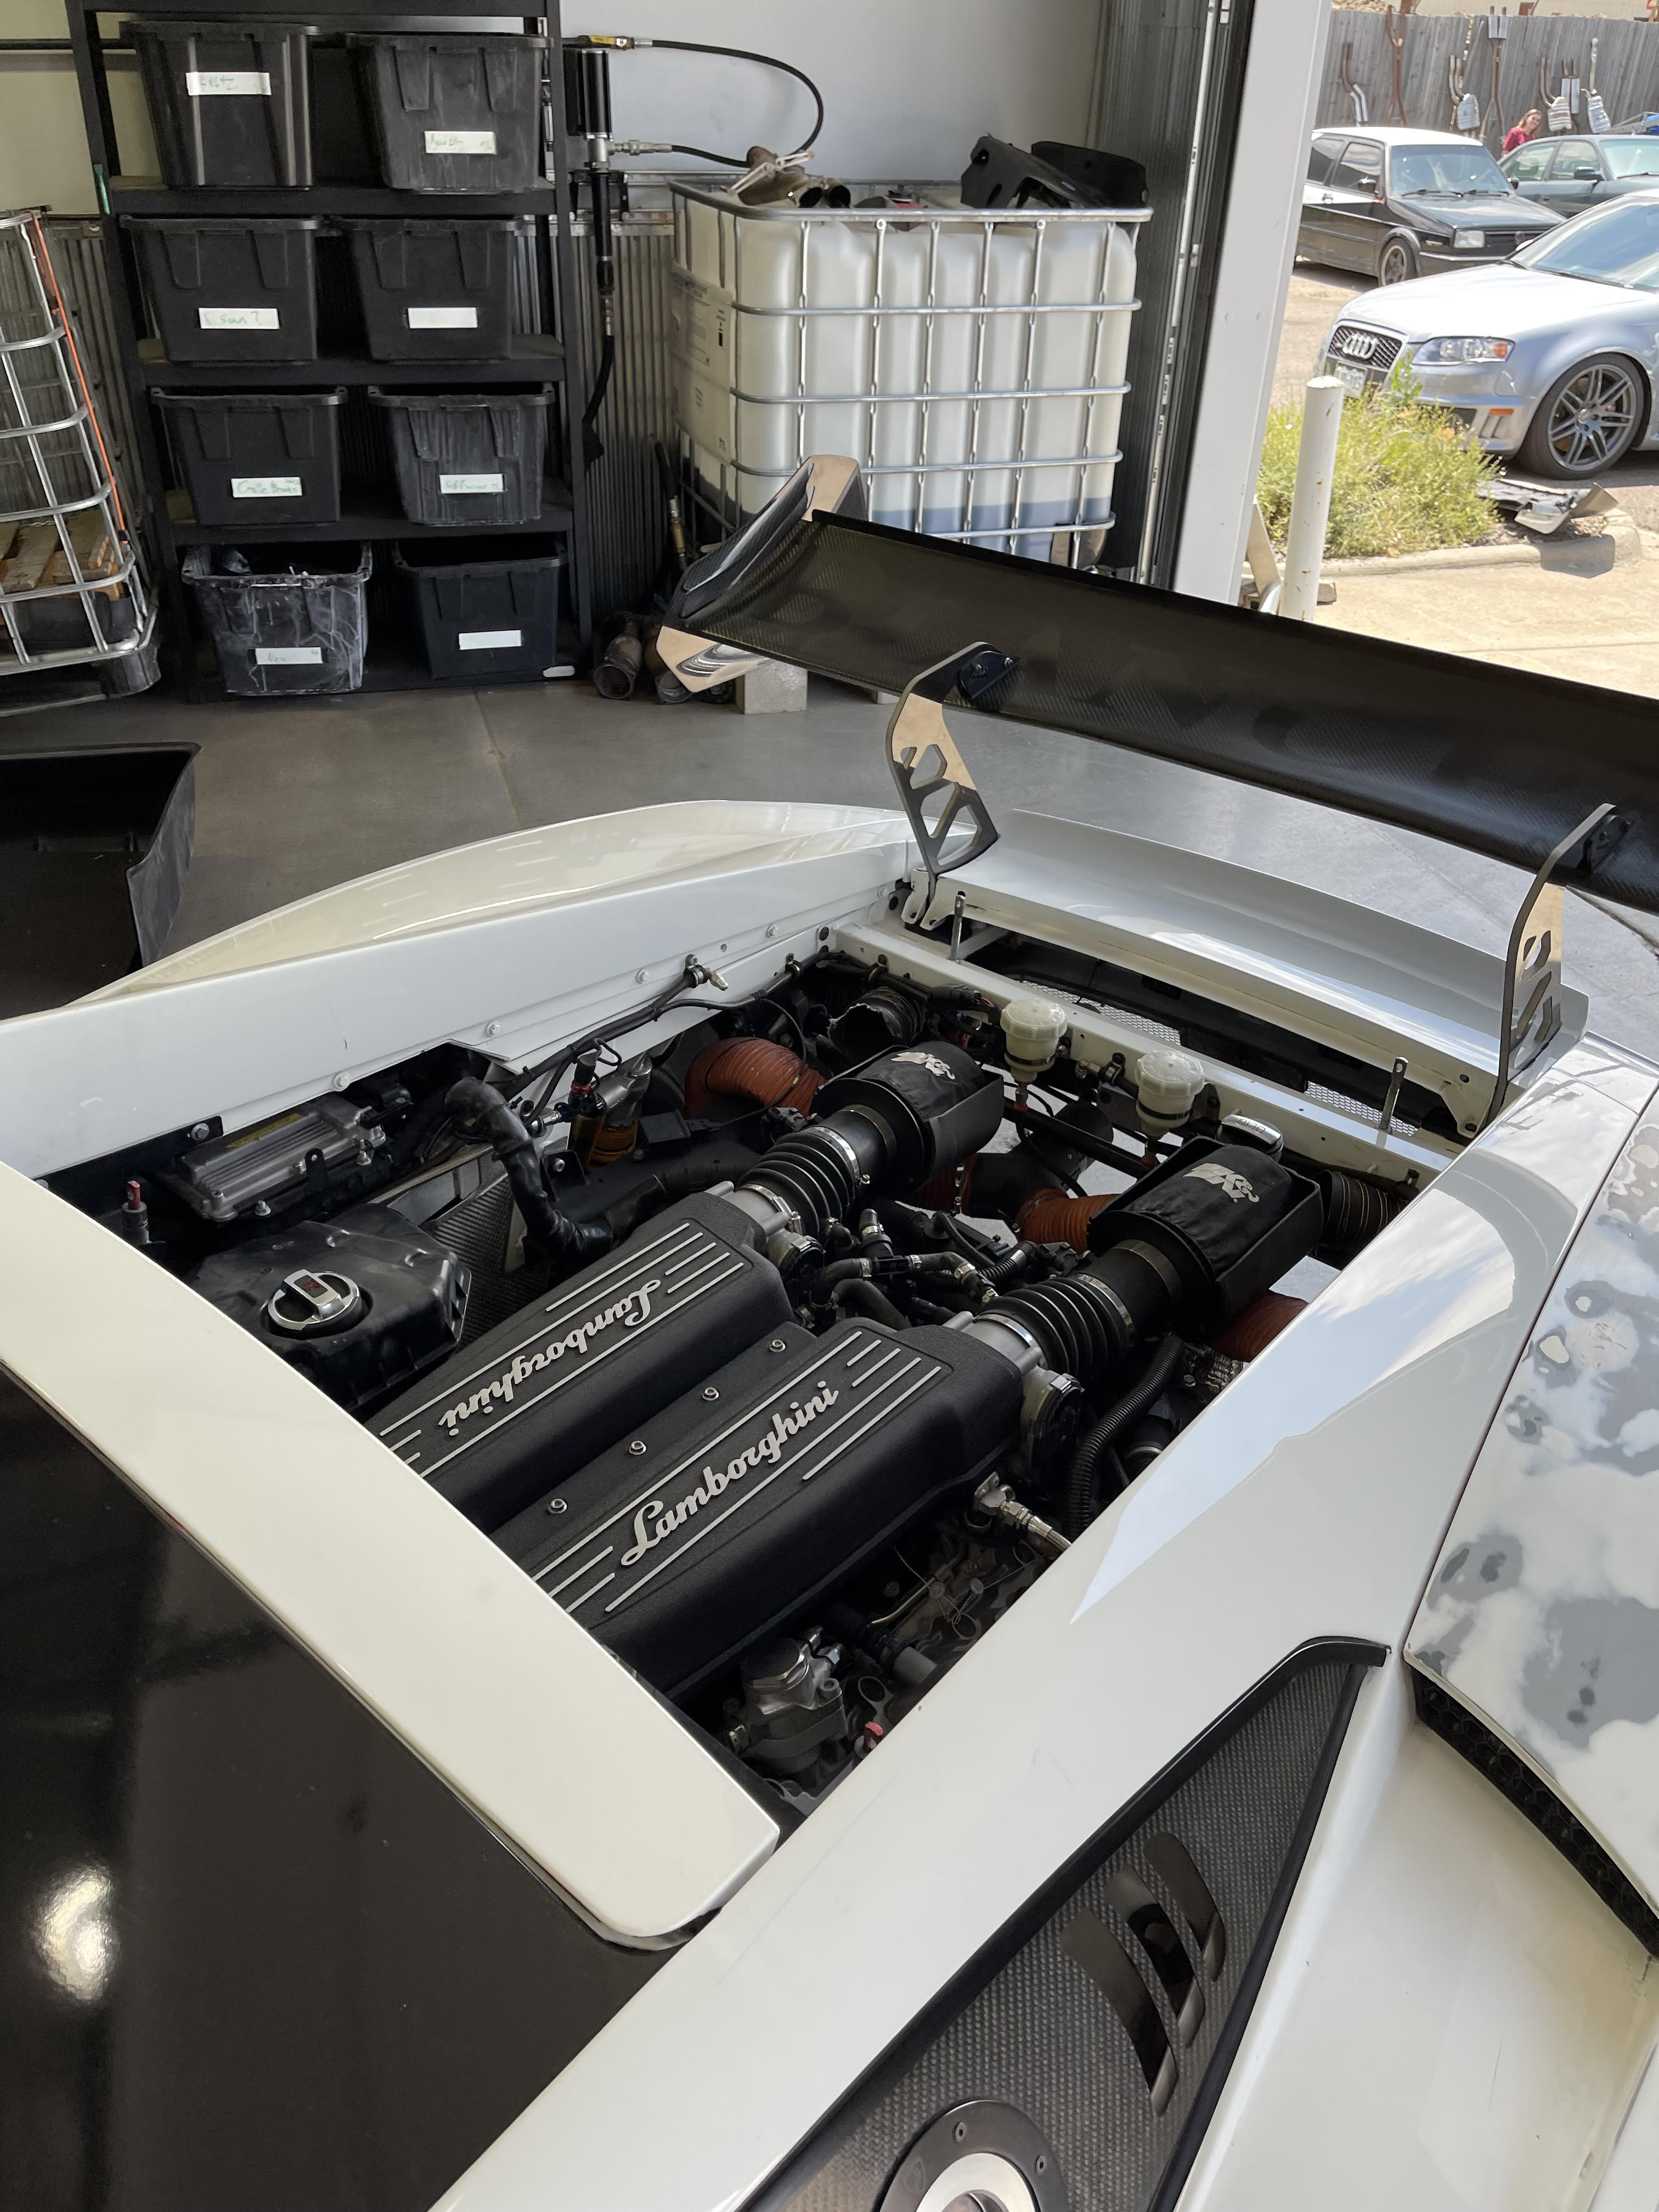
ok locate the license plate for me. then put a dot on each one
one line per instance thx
(1353, 381)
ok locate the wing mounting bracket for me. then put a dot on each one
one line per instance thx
(1531, 1013)
(936, 786)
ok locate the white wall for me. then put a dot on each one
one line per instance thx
(907, 85)
(43, 141)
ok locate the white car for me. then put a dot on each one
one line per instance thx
(772, 1506)
(1551, 357)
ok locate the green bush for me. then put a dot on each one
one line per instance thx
(1407, 478)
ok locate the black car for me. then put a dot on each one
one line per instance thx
(1399, 203)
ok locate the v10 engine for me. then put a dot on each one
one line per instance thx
(683, 1466)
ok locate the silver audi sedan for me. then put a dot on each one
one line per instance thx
(1551, 357)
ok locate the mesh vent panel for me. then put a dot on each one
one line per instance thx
(1042, 2037)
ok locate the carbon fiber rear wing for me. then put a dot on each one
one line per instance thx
(1501, 762)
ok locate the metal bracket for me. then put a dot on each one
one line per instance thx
(1531, 1011)
(936, 788)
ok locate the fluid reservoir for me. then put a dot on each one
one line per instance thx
(1167, 1085)
(1033, 1029)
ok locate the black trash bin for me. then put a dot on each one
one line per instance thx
(483, 612)
(221, 290)
(230, 103)
(289, 623)
(454, 111)
(252, 456)
(434, 290)
(468, 458)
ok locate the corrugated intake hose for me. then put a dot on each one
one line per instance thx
(482, 1106)
(758, 1069)
(1255, 1330)
(1083, 1500)
(1051, 1218)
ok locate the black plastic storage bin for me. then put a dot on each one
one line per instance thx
(434, 290)
(454, 111)
(224, 290)
(468, 458)
(292, 623)
(254, 456)
(484, 612)
(230, 104)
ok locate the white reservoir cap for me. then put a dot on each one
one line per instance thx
(1033, 1029)
(1167, 1085)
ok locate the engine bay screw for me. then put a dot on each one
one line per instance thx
(555, 1505)
(771, 929)
(637, 1447)
(777, 1344)
(639, 974)
(711, 1393)
(492, 1028)
(199, 1132)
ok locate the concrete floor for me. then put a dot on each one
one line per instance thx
(291, 798)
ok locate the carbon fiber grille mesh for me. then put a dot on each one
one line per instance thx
(1041, 2035)
(1459, 749)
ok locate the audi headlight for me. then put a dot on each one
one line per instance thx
(1449, 353)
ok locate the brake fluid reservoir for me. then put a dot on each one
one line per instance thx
(1033, 1029)
(1167, 1085)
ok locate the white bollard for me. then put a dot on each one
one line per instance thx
(1310, 500)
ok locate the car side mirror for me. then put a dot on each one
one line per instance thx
(1587, 175)
(1370, 184)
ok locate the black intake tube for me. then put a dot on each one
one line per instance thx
(482, 1106)
(1089, 1462)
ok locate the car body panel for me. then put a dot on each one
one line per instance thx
(1451, 2019)
(1542, 1613)
(1332, 1469)
(422, 1618)
(1348, 220)
(1555, 321)
(435, 951)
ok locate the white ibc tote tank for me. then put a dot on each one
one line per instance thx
(972, 360)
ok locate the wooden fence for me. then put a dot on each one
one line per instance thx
(1626, 67)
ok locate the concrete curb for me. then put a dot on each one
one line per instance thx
(1618, 543)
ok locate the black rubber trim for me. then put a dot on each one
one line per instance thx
(965, 1986)
(1471, 1739)
(1194, 2128)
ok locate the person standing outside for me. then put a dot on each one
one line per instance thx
(1528, 127)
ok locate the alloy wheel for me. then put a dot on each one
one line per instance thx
(1594, 417)
(1396, 266)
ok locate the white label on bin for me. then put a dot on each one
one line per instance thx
(247, 84)
(460, 141)
(239, 319)
(266, 488)
(449, 485)
(443, 319)
(488, 640)
(288, 656)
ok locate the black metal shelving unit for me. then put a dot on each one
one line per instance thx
(391, 662)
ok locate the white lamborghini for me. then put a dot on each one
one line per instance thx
(778, 1506)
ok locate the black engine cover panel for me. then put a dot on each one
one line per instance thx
(760, 1488)
(534, 1400)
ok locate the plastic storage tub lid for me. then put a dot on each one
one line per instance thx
(197, 569)
(469, 40)
(469, 556)
(222, 226)
(246, 402)
(439, 403)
